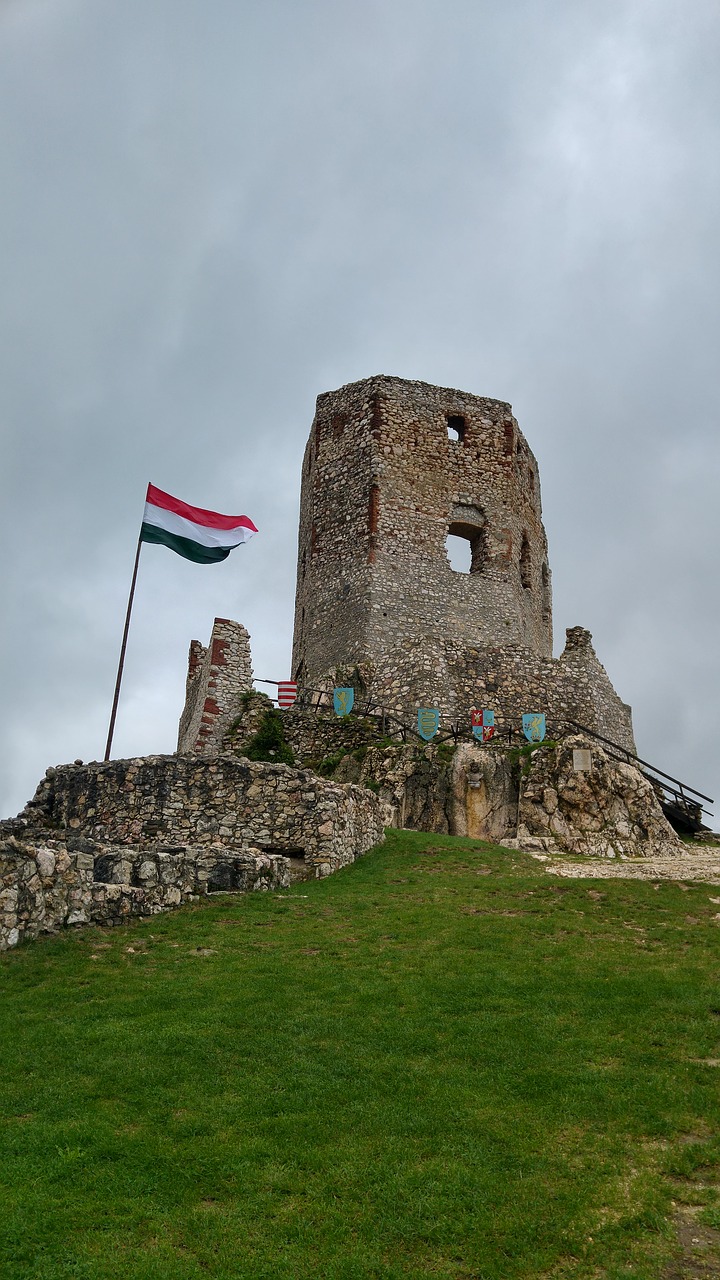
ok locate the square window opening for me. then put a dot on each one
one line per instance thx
(456, 427)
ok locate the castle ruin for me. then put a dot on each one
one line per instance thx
(391, 468)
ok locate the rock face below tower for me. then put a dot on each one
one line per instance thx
(390, 470)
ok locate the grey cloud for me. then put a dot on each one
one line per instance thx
(215, 212)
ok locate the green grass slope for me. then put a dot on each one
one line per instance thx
(439, 1062)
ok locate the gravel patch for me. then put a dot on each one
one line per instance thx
(703, 866)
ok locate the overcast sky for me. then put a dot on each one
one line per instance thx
(213, 210)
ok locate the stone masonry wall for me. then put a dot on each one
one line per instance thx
(222, 800)
(156, 830)
(217, 677)
(382, 486)
(314, 736)
(50, 884)
(508, 681)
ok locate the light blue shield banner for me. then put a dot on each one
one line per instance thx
(428, 722)
(343, 700)
(534, 726)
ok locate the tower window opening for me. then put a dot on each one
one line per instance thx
(459, 553)
(466, 548)
(456, 427)
(525, 562)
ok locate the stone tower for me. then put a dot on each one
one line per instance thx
(390, 470)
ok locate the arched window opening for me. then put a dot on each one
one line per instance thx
(459, 553)
(456, 427)
(525, 562)
(466, 547)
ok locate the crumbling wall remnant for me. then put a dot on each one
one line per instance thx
(135, 836)
(216, 679)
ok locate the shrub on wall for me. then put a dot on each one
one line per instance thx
(269, 744)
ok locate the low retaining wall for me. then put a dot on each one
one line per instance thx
(46, 886)
(131, 837)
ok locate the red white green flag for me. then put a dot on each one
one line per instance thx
(202, 536)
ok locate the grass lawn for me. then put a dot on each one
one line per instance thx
(440, 1062)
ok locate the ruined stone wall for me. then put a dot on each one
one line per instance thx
(217, 677)
(509, 681)
(239, 804)
(47, 885)
(134, 836)
(382, 486)
(315, 736)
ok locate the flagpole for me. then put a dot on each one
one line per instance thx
(122, 652)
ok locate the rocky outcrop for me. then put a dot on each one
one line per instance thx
(485, 793)
(466, 790)
(412, 782)
(575, 798)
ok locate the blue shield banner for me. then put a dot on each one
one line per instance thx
(343, 700)
(534, 726)
(428, 722)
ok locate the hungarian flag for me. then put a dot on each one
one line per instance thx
(202, 536)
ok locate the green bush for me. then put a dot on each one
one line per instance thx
(327, 766)
(269, 743)
(520, 756)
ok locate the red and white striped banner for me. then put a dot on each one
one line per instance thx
(287, 693)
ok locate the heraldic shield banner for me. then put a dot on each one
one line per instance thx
(483, 724)
(534, 726)
(428, 722)
(287, 693)
(343, 700)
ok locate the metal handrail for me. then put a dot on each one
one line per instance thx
(631, 755)
(373, 710)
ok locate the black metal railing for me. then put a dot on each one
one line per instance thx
(677, 797)
(677, 794)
